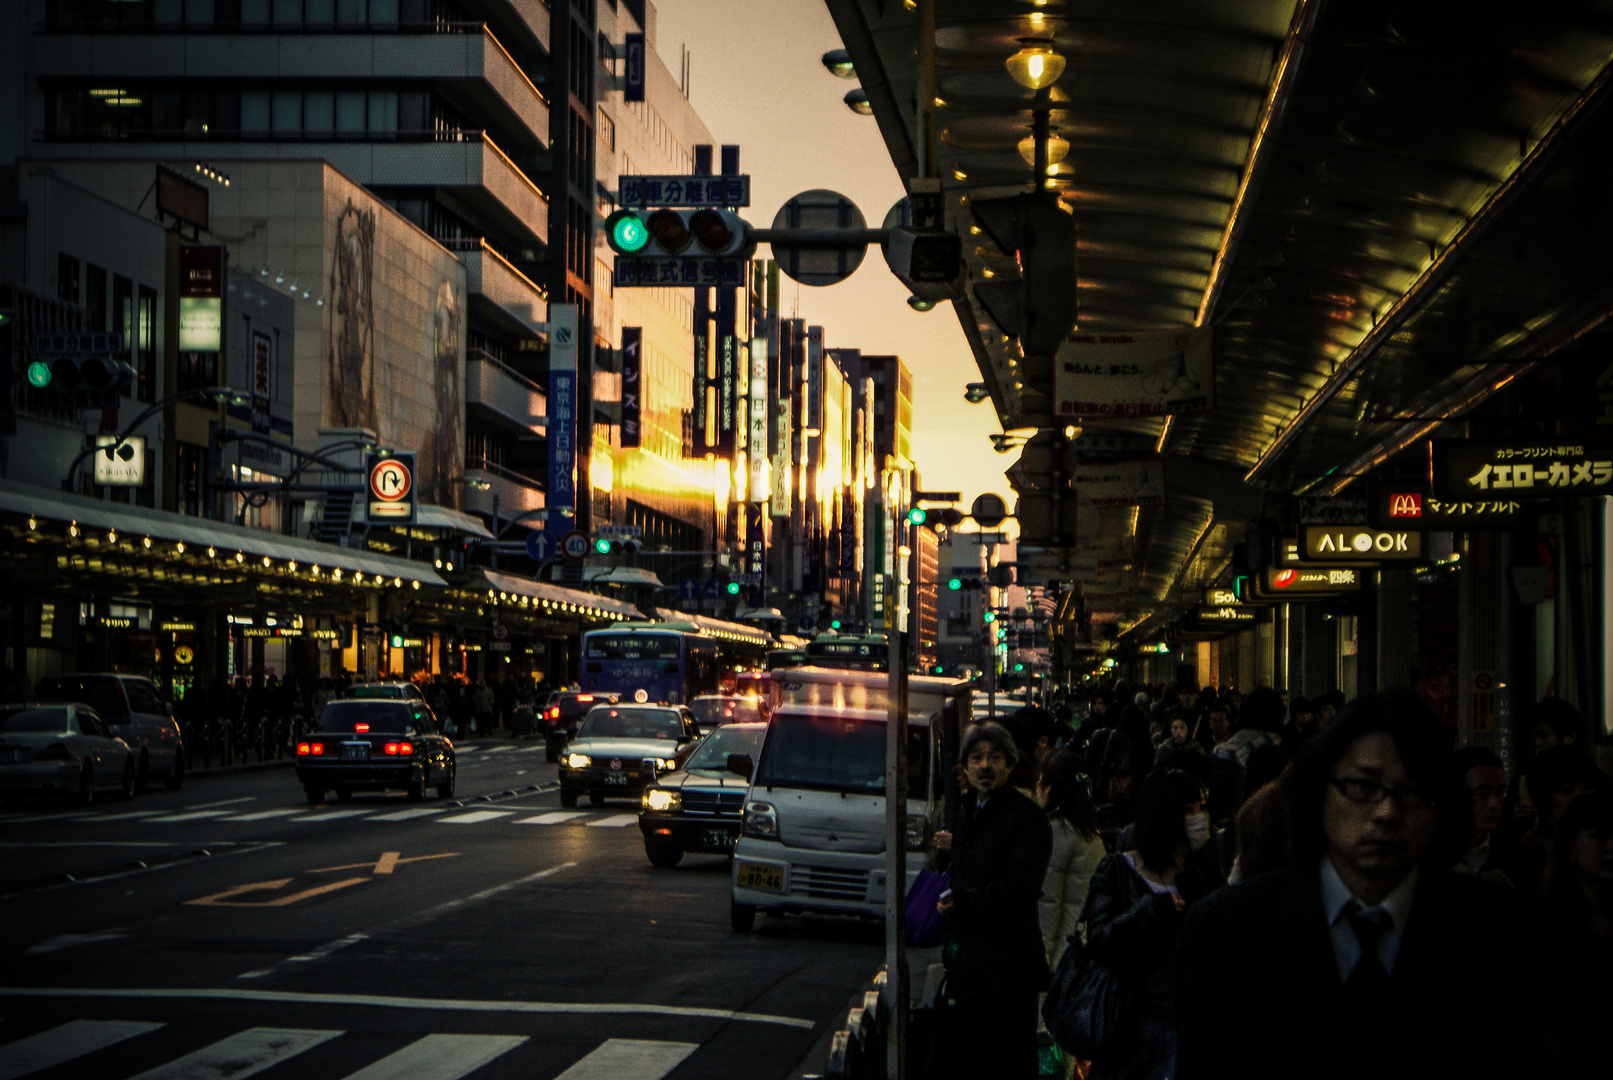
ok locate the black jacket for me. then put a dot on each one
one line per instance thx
(1261, 998)
(999, 859)
(1132, 931)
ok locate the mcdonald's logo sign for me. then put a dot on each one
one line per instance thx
(1405, 504)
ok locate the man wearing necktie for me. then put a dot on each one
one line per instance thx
(1366, 956)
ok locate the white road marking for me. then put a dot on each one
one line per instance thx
(532, 749)
(263, 815)
(615, 821)
(125, 815)
(54, 816)
(386, 1002)
(195, 816)
(439, 1057)
(332, 815)
(72, 1040)
(554, 818)
(68, 941)
(312, 954)
(240, 1055)
(222, 802)
(498, 749)
(473, 817)
(629, 1059)
(405, 815)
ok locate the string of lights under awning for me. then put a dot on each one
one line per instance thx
(717, 627)
(552, 599)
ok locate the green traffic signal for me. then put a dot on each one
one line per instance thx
(990, 616)
(39, 374)
(733, 588)
(955, 583)
(1019, 667)
(602, 546)
(917, 516)
(834, 624)
(626, 232)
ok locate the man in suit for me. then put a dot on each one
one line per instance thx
(1366, 956)
(997, 856)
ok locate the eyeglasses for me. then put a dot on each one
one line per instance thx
(1371, 793)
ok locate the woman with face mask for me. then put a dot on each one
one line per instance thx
(1134, 914)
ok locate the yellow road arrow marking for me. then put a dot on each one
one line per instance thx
(226, 898)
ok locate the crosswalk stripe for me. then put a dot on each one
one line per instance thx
(244, 1054)
(473, 817)
(124, 815)
(71, 1040)
(439, 1057)
(629, 1059)
(54, 816)
(615, 821)
(195, 815)
(532, 749)
(223, 802)
(405, 815)
(498, 749)
(262, 815)
(554, 818)
(331, 815)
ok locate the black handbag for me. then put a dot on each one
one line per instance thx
(1085, 1005)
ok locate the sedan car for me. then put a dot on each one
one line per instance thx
(62, 749)
(713, 709)
(620, 749)
(698, 807)
(375, 745)
(133, 709)
(561, 715)
(386, 691)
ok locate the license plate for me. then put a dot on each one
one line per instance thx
(760, 876)
(11, 754)
(615, 779)
(355, 751)
(718, 838)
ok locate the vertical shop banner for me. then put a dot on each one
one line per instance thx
(757, 420)
(728, 362)
(755, 542)
(1157, 373)
(702, 357)
(633, 68)
(782, 462)
(201, 298)
(562, 493)
(262, 365)
(632, 380)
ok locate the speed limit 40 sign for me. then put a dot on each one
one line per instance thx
(390, 488)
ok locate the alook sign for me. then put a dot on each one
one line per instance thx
(1332, 543)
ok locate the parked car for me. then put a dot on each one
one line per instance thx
(620, 749)
(386, 691)
(698, 807)
(62, 749)
(135, 712)
(375, 745)
(564, 711)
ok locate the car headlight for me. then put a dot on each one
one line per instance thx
(761, 819)
(661, 799)
(666, 763)
(577, 761)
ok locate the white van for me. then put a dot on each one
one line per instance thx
(813, 833)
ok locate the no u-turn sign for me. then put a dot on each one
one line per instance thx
(390, 488)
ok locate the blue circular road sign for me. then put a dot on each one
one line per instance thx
(540, 546)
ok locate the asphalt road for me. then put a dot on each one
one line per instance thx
(229, 930)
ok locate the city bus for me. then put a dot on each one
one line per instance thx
(849, 652)
(668, 662)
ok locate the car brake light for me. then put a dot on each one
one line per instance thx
(54, 752)
(392, 748)
(302, 749)
(317, 748)
(585, 697)
(554, 712)
(361, 727)
(406, 748)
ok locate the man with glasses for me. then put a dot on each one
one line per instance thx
(1363, 956)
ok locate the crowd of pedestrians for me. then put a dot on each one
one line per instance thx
(1261, 886)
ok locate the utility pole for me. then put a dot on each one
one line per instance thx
(896, 974)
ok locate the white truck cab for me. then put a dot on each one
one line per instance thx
(813, 834)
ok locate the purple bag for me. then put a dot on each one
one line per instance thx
(924, 923)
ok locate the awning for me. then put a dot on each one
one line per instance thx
(767, 614)
(99, 522)
(557, 598)
(621, 575)
(717, 627)
(427, 516)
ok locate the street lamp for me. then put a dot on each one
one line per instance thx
(838, 63)
(1036, 66)
(857, 101)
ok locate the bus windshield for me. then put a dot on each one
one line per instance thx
(633, 646)
(831, 753)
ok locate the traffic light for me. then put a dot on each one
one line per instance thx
(72, 376)
(1038, 308)
(834, 624)
(955, 583)
(990, 617)
(917, 516)
(1019, 667)
(951, 517)
(733, 588)
(606, 546)
(665, 233)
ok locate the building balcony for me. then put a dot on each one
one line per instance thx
(511, 397)
(499, 291)
(515, 494)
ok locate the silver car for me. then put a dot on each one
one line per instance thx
(135, 712)
(61, 749)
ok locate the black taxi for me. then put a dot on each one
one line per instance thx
(375, 745)
(698, 807)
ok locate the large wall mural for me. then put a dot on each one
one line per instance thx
(444, 447)
(350, 394)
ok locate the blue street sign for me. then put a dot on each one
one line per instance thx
(712, 590)
(540, 546)
(689, 589)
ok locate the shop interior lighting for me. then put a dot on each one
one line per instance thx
(1058, 148)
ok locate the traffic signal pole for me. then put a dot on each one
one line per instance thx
(896, 973)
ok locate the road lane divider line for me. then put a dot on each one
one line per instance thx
(308, 957)
(553, 818)
(405, 815)
(121, 815)
(439, 1057)
(195, 815)
(473, 817)
(331, 815)
(53, 817)
(463, 901)
(241, 1055)
(68, 941)
(248, 849)
(59, 1045)
(382, 1001)
(615, 821)
(498, 749)
(221, 802)
(629, 1059)
(264, 815)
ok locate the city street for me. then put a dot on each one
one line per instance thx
(492, 935)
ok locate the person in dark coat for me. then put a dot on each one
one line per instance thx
(997, 854)
(1365, 955)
